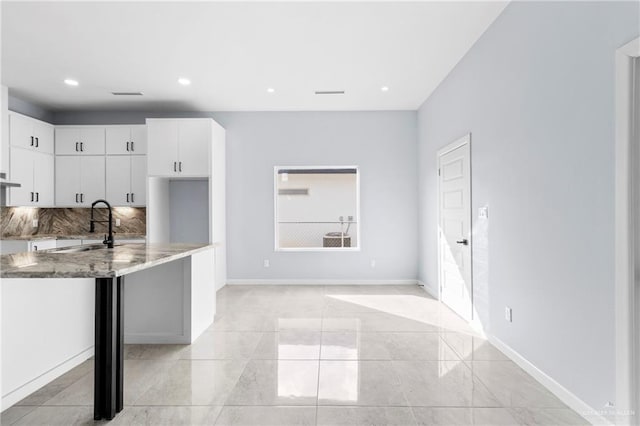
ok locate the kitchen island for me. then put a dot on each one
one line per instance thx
(61, 306)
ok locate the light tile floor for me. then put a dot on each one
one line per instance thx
(314, 355)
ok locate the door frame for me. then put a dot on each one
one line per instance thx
(627, 239)
(464, 140)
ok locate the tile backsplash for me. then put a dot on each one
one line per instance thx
(18, 221)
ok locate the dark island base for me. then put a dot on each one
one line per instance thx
(109, 348)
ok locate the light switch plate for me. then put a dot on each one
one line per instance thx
(266, 263)
(483, 212)
(34, 223)
(117, 222)
(508, 314)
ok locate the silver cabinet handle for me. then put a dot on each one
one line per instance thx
(180, 166)
(77, 143)
(31, 140)
(127, 146)
(127, 197)
(37, 143)
(132, 197)
(175, 169)
(32, 197)
(76, 197)
(132, 148)
(82, 146)
(81, 197)
(37, 197)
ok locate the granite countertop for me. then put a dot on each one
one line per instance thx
(100, 263)
(94, 236)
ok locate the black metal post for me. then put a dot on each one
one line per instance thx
(108, 369)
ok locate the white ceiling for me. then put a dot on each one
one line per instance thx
(232, 52)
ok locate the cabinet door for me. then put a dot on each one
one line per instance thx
(162, 147)
(43, 134)
(67, 180)
(118, 140)
(193, 150)
(139, 180)
(119, 180)
(92, 140)
(22, 173)
(43, 177)
(20, 131)
(92, 179)
(67, 141)
(139, 139)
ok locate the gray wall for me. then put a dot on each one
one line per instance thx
(537, 94)
(383, 144)
(29, 109)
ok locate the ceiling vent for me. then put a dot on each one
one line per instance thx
(329, 92)
(126, 93)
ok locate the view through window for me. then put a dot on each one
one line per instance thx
(317, 208)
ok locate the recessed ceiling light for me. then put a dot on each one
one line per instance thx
(385, 88)
(271, 90)
(184, 81)
(70, 82)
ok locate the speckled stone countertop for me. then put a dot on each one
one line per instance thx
(94, 236)
(101, 263)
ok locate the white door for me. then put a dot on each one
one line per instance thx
(119, 180)
(138, 180)
(43, 134)
(92, 140)
(162, 157)
(67, 141)
(21, 131)
(194, 147)
(454, 192)
(92, 179)
(118, 140)
(139, 139)
(43, 165)
(67, 180)
(22, 173)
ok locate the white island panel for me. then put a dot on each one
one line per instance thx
(47, 329)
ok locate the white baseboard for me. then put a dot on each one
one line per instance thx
(27, 389)
(431, 291)
(156, 339)
(575, 403)
(248, 281)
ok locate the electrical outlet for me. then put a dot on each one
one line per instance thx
(508, 314)
(266, 263)
(373, 263)
(34, 223)
(483, 212)
(117, 222)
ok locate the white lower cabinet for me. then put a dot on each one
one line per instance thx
(67, 243)
(79, 180)
(126, 180)
(42, 245)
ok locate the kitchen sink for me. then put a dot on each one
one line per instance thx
(80, 249)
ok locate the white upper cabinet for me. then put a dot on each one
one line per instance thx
(194, 146)
(126, 140)
(88, 140)
(34, 172)
(179, 147)
(80, 180)
(29, 133)
(126, 180)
